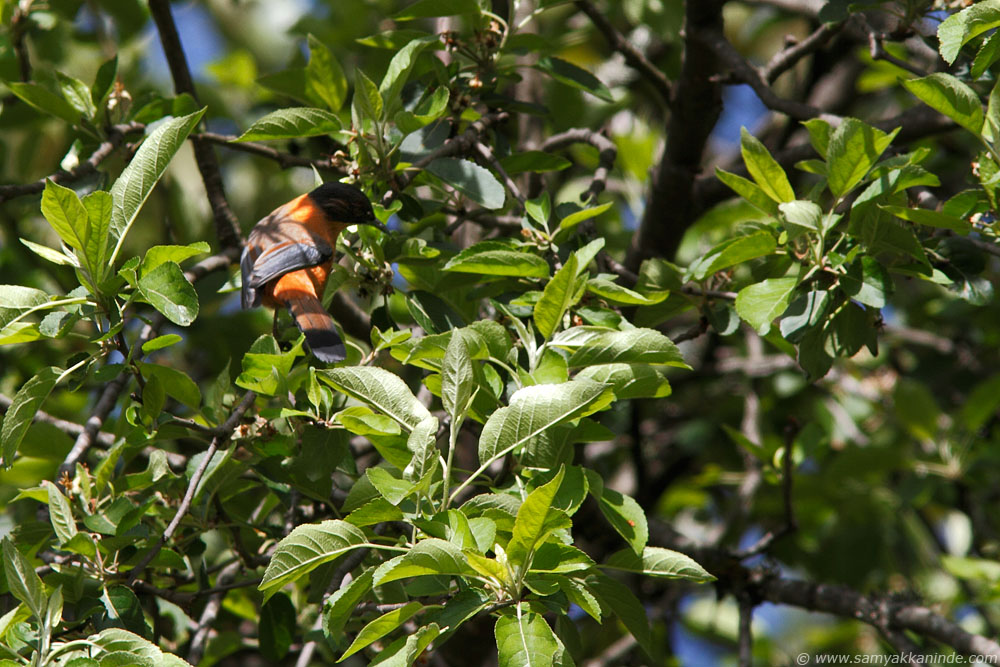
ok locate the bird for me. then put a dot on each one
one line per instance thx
(289, 254)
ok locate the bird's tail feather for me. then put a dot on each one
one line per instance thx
(318, 327)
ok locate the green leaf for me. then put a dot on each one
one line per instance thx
(981, 403)
(948, 95)
(732, 252)
(495, 258)
(524, 639)
(159, 254)
(77, 93)
(575, 77)
(99, 205)
(22, 410)
(423, 443)
(160, 342)
(124, 610)
(60, 513)
(400, 68)
(390, 487)
(854, 149)
(626, 516)
(176, 383)
(622, 604)
(867, 281)
(819, 134)
(306, 548)
(132, 188)
(560, 294)
(104, 81)
(764, 169)
(425, 8)
(937, 219)
(660, 562)
(426, 113)
(629, 380)
(607, 346)
(380, 627)
(324, 77)
(15, 300)
(759, 304)
(803, 313)
(457, 377)
(748, 190)
(532, 410)
(367, 103)
(277, 627)
(373, 512)
(338, 607)
(168, 290)
(475, 182)
(956, 30)
(46, 101)
(66, 213)
(575, 218)
(801, 215)
(22, 581)
(534, 161)
(404, 651)
(533, 521)
(380, 389)
(49, 254)
(292, 123)
(427, 557)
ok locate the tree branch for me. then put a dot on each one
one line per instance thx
(633, 57)
(670, 206)
(116, 136)
(227, 227)
(284, 160)
(225, 432)
(787, 58)
(607, 153)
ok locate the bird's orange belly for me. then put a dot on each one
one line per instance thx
(309, 281)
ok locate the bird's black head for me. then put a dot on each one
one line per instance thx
(344, 203)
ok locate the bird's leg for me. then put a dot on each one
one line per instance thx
(274, 327)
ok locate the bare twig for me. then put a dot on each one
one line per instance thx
(746, 632)
(200, 639)
(227, 227)
(633, 57)
(876, 47)
(225, 431)
(749, 75)
(18, 29)
(488, 155)
(787, 58)
(185, 597)
(116, 136)
(607, 152)
(463, 143)
(285, 160)
(69, 428)
(109, 397)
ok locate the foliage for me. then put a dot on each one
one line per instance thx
(513, 365)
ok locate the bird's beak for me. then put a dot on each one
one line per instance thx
(377, 225)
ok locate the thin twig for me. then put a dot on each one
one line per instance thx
(488, 155)
(107, 402)
(227, 227)
(285, 160)
(225, 432)
(876, 48)
(787, 58)
(749, 75)
(633, 57)
(746, 632)
(200, 639)
(463, 143)
(607, 153)
(116, 136)
(187, 597)
(69, 428)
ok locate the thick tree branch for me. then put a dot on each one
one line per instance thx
(884, 613)
(227, 227)
(697, 102)
(633, 57)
